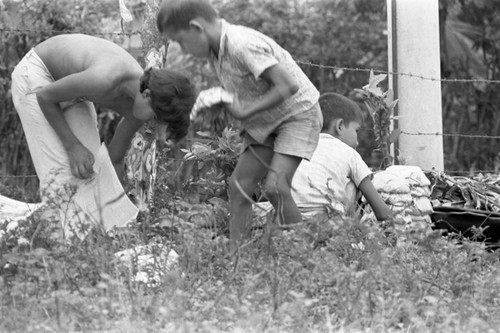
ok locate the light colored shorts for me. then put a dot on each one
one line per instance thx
(47, 152)
(296, 136)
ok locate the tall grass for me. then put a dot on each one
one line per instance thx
(338, 276)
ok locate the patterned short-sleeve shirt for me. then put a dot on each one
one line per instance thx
(244, 54)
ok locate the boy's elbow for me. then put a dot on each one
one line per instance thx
(45, 104)
(41, 99)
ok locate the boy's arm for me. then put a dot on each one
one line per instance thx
(72, 86)
(381, 210)
(120, 142)
(282, 86)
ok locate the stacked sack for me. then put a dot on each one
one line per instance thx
(406, 190)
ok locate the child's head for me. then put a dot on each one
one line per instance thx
(342, 117)
(186, 22)
(172, 98)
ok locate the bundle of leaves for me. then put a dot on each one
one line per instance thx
(481, 193)
(214, 119)
(210, 110)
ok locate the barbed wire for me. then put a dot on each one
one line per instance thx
(298, 61)
(453, 134)
(305, 63)
(51, 31)
(18, 176)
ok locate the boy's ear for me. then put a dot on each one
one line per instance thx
(336, 126)
(340, 123)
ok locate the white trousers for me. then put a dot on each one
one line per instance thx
(46, 149)
(101, 198)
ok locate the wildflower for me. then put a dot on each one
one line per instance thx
(22, 241)
(12, 225)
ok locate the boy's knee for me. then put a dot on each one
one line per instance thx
(240, 187)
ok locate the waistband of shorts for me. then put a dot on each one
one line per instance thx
(33, 58)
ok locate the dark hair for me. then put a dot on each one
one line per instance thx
(335, 106)
(172, 98)
(176, 14)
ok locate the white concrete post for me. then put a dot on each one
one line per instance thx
(413, 39)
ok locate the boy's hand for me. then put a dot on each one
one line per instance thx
(236, 109)
(81, 161)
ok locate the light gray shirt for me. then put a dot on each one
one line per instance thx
(244, 54)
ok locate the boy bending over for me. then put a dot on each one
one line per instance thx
(54, 88)
(273, 98)
(336, 174)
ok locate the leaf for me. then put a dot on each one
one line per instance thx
(206, 134)
(393, 105)
(40, 252)
(189, 156)
(124, 12)
(375, 91)
(389, 96)
(374, 80)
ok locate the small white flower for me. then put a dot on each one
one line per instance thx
(22, 241)
(12, 225)
(359, 246)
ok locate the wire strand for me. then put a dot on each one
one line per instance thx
(298, 61)
(453, 134)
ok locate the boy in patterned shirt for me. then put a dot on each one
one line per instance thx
(274, 100)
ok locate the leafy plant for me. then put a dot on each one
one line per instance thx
(212, 160)
(381, 106)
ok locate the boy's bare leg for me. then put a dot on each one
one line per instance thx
(244, 180)
(277, 187)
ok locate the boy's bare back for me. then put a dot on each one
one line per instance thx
(101, 69)
(68, 54)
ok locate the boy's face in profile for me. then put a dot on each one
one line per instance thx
(348, 133)
(192, 40)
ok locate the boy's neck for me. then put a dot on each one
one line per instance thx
(129, 87)
(331, 133)
(214, 32)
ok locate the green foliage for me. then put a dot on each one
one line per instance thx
(325, 32)
(470, 108)
(381, 106)
(212, 160)
(337, 276)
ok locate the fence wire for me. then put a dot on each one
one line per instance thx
(311, 64)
